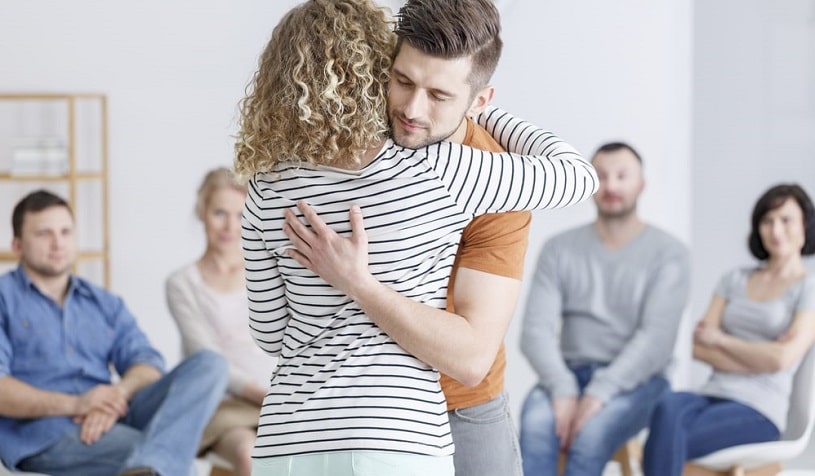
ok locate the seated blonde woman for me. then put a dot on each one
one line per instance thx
(758, 327)
(207, 299)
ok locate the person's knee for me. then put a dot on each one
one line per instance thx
(656, 391)
(209, 365)
(247, 445)
(207, 359)
(591, 441)
(667, 409)
(536, 416)
(662, 409)
(605, 432)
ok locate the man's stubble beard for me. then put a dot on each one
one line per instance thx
(621, 215)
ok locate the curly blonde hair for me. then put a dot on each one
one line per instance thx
(320, 93)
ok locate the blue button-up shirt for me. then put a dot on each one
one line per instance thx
(67, 349)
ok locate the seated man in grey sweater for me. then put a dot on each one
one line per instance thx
(599, 327)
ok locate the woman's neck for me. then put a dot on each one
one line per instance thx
(221, 262)
(222, 272)
(788, 267)
(366, 158)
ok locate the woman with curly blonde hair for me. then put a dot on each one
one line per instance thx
(320, 94)
(345, 399)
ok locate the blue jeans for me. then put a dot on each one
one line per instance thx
(160, 431)
(620, 419)
(485, 439)
(686, 426)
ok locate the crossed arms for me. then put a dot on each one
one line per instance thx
(728, 353)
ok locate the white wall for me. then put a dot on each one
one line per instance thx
(591, 71)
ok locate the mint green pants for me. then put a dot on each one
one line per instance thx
(354, 463)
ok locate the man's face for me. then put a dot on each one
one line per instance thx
(47, 244)
(428, 97)
(621, 183)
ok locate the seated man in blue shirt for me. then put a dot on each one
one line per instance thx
(60, 413)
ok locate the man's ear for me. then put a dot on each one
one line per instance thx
(16, 246)
(481, 100)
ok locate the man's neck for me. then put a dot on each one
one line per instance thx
(55, 287)
(460, 134)
(616, 232)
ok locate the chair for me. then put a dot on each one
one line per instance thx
(759, 459)
(6, 472)
(630, 451)
(213, 465)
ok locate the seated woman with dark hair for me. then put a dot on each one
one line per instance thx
(758, 327)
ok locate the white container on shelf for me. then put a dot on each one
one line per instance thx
(40, 156)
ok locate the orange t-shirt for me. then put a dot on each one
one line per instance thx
(496, 244)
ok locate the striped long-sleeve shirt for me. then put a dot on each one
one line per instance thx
(341, 382)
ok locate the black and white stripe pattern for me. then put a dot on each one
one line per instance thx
(343, 384)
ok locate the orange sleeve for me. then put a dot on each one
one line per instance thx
(496, 244)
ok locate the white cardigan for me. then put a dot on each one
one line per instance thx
(216, 321)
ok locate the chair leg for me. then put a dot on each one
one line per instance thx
(622, 457)
(771, 469)
(634, 446)
(216, 471)
(561, 462)
(631, 450)
(696, 470)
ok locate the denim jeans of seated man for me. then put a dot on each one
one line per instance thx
(160, 431)
(621, 418)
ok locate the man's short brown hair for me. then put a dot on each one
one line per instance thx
(34, 202)
(452, 29)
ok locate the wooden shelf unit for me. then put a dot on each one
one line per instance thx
(73, 177)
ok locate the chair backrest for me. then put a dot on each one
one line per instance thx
(679, 369)
(801, 415)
